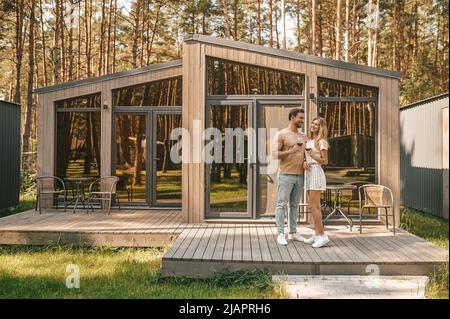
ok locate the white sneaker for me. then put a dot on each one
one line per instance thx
(296, 237)
(281, 239)
(320, 241)
(310, 240)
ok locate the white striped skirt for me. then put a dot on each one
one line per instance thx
(315, 178)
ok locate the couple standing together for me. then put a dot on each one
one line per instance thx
(300, 165)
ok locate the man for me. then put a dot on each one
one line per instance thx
(289, 149)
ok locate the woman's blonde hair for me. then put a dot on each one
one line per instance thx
(323, 131)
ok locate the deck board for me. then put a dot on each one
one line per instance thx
(229, 243)
(203, 248)
(348, 252)
(237, 245)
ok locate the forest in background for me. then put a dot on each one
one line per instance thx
(46, 42)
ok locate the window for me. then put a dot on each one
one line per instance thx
(78, 136)
(330, 88)
(167, 92)
(80, 102)
(232, 78)
(351, 112)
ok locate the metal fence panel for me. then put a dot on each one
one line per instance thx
(9, 154)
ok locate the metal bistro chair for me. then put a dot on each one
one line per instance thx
(50, 185)
(355, 195)
(103, 189)
(374, 197)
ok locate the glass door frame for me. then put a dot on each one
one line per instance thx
(255, 104)
(153, 163)
(260, 104)
(250, 166)
(150, 122)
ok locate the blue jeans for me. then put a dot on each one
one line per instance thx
(290, 189)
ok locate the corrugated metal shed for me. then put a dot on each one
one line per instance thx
(9, 154)
(424, 155)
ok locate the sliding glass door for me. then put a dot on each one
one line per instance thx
(272, 116)
(228, 172)
(148, 176)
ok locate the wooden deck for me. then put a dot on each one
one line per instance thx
(125, 228)
(204, 249)
(199, 250)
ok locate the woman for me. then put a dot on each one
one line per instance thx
(316, 155)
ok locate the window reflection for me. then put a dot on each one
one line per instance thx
(167, 92)
(131, 157)
(78, 144)
(231, 78)
(332, 88)
(87, 101)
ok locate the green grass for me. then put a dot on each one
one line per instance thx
(40, 272)
(26, 202)
(435, 230)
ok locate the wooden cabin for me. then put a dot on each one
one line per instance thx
(120, 124)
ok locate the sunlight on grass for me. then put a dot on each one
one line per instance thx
(33, 272)
(26, 202)
(435, 230)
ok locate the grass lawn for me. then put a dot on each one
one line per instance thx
(26, 202)
(33, 272)
(435, 230)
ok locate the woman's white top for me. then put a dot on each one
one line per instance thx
(323, 145)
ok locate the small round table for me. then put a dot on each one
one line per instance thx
(79, 186)
(338, 188)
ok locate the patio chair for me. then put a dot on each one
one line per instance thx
(355, 195)
(50, 185)
(379, 197)
(103, 189)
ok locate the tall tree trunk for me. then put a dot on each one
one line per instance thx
(319, 25)
(27, 127)
(88, 33)
(63, 41)
(70, 70)
(235, 20)
(108, 41)
(275, 11)
(298, 28)
(134, 48)
(155, 25)
(258, 22)
(44, 45)
(79, 43)
(19, 38)
(394, 35)
(226, 18)
(375, 37)
(283, 22)
(114, 38)
(369, 38)
(347, 30)
(270, 24)
(101, 43)
(313, 27)
(338, 30)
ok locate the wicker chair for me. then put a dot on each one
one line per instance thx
(103, 189)
(375, 197)
(50, 185)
